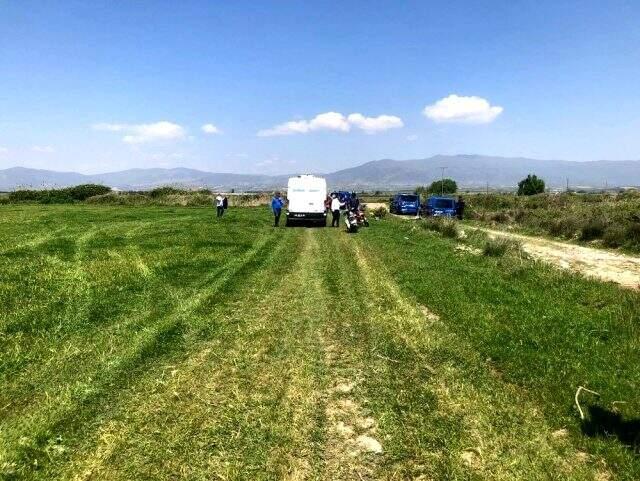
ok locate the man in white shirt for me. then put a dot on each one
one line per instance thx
(220, 205)
(335, 210)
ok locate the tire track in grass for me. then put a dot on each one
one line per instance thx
(353, 446)
(444, 415)
(63, 346)
(68, 411)
(249, 399)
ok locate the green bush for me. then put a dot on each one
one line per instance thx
(25, 196)
(593, 229)
(499, 246)
(165, 191)
(446, 227)
(632, 234)
(500, 217)
(531, 185)
(614, 236)
(84, 191)
(59, 196)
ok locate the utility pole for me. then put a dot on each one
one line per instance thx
(567, 184)
(442, 181)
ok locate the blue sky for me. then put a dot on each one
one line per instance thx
(100, 86)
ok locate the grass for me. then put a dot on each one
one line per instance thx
(161, 343)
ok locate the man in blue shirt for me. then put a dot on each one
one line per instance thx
(276, 206)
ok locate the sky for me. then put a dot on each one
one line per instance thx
(283, 87)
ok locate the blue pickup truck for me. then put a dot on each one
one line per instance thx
(405, 204)
(440, 207)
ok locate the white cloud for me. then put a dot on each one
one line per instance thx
(334, 121)
(143, 133)
(43, 149)
(210, 129)
(3, 150)
(326, 121)
(371, 125)
(412, 137)
(457, 109)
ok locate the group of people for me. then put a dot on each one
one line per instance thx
(333, 204)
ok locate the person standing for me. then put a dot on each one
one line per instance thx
(327, 204)
(335, 210)
(219, 205)
(460, 208)
(276, 206)
(355, 202)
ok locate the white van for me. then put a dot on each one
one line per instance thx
(305, 199)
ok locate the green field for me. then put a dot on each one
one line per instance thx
(155, 343)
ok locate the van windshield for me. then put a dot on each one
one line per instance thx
(408, 198)
(444, 204)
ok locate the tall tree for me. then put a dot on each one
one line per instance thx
(531, 185)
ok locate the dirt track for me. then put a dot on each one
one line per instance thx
(598, 263)
(589, 261)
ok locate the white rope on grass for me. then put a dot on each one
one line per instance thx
(579, 390)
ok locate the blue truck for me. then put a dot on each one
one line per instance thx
(440, 207)
(405, 204)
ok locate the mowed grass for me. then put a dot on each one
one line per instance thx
(162, 343)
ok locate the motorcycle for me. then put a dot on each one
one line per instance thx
(361, 218)
(351, 220)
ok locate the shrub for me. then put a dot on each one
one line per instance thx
(380, 212)
(531, 185)
(500, 217)
(165, 191)
(447, 227)
(84, 191)
(499, 246)
(25, 196)
(563, 226)
(632, 234)
(593, 229)
(614, 236)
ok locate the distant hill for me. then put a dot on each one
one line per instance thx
(134, 179)
(478, 170)
(472, 171)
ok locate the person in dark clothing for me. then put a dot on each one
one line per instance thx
(355, 202)
(460, 208)
(225, 203)
(276, 206)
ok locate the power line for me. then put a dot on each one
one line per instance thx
(442, 181)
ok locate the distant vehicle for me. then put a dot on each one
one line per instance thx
(343, 196)
(440, 207)
(305, 199)
(405, 204)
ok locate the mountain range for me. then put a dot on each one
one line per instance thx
(470, 171)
